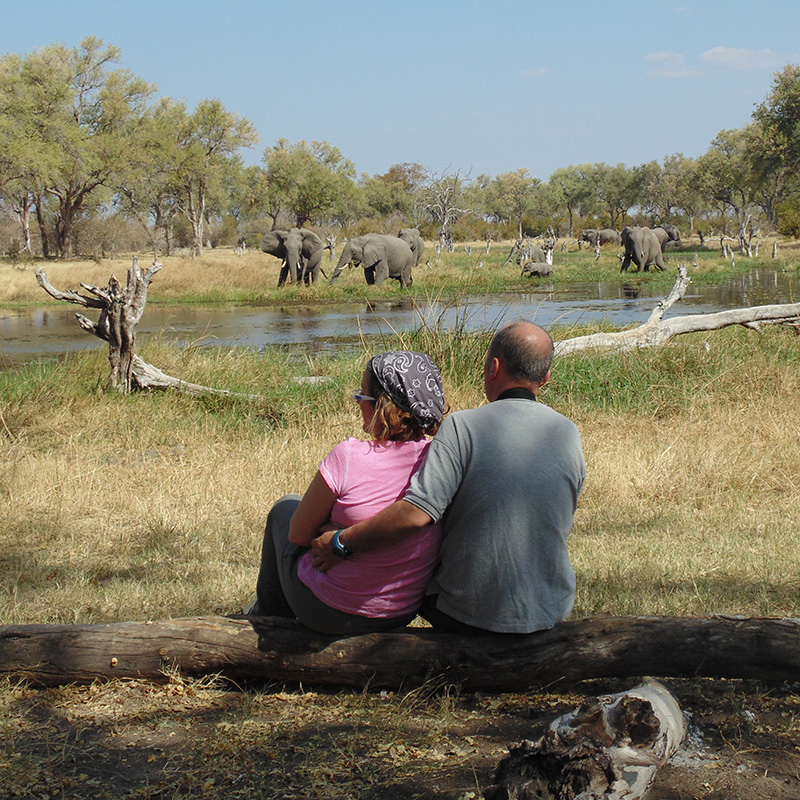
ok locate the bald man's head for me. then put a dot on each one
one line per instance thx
(525, 350)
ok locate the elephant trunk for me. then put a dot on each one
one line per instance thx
(344, 260)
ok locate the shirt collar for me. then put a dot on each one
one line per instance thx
(517, 393)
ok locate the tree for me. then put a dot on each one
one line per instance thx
(91, 132)
(147, 189)
(443, 198)
(574, 189)
(619, 189)
(725, 172)
(681, 188)
(513, 195)
(208, 144)
(308, 178)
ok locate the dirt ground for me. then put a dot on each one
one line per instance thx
(131, 739)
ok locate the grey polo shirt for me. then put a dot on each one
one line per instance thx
(505, 479)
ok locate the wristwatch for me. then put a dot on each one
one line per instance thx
(338, 548)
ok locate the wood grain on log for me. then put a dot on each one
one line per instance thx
(274, 649)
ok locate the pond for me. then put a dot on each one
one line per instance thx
(49, 330)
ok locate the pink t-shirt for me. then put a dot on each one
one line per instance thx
(366, 477)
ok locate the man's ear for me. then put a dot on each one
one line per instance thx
(545, 379)
(493, 368)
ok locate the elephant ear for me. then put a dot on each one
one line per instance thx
(372, 254)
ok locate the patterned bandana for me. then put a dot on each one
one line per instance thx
(413, 382)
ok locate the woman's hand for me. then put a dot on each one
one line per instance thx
(322, 555)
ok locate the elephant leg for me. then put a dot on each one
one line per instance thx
(312, 268)
(283, 274)
(369, 275)
(405, 279)
(626, 262)
(381, 272)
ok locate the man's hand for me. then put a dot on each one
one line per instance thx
(322, 555)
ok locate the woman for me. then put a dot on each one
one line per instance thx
(401, 402)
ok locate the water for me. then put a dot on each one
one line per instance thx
(27, 334)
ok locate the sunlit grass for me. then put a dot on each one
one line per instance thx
(222, 276)
(152, 505)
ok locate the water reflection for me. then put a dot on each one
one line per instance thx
(31, 332)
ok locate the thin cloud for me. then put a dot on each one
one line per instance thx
(535, 73)
(741, 59)
(670, 65)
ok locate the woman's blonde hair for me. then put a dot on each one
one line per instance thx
(390, 423)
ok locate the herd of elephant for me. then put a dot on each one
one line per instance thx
(385, 256)
(382, 256)
(643, 246)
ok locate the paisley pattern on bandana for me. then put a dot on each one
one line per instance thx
(413, 382)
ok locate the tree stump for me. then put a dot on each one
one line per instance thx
(607, 749)
(121, 310)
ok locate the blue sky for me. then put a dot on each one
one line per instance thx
(481, 87)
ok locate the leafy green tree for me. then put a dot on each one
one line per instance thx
(308, 178)
(619, 189)
(208, 144)
(147, 189)
(678, 190)
(725, 173)
(573, 188)
(93, 112)
(515, 195)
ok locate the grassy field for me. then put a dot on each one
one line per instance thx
(152, 505)
(222, 277)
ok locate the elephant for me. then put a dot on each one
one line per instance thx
(415, 241)
(299, 249)
(601, 237)
(667, 233)
(642, 247)
(382, 256)
(537, 268)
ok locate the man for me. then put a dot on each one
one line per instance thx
(505, 479)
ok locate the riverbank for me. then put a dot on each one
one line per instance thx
(222, 276)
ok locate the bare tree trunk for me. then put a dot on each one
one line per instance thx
(270, 648)
(120, 312)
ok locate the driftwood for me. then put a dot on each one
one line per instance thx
(121, 310)
(607, 749)
(657, 331)
(276, 649)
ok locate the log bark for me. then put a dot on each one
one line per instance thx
(609, 748)
(657, 331)
(276, 649)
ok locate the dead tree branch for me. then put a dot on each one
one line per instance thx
(657, 331)
(121, 311)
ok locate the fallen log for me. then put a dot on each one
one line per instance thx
(275, 649)
(607, 749)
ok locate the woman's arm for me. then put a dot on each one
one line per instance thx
(314, 510)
